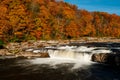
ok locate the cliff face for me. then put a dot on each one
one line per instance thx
(22, 20)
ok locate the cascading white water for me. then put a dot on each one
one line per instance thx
(80, 56)
(65, 54)
(72, 52)
(69, 54)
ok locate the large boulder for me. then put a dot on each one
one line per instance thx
(107, 58)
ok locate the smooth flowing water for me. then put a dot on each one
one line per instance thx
(69, 62)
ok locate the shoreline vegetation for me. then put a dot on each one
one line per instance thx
(23, 49)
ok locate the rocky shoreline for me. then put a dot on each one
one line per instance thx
(23, 48)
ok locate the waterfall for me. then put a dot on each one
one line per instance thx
(78, 55)
(61, 54)
(66, 56)
(70, 54)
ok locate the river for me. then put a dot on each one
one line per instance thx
(66, 62)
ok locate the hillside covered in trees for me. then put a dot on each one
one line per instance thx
(22, 20)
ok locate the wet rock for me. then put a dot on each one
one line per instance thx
(20, 53)
(31, 55)
(116, 50)
(107, 58)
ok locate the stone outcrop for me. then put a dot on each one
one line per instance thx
(18, 49)
(107, 58)
(32, 55)
(25, 54)
(4, 52)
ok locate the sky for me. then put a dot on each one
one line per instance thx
(110, 6)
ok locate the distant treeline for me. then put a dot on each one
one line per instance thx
(22, 20)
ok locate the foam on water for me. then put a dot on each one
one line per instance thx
(55, 61)
(84, 49)
(51, 61)
(66, 47)
(101, 51)
(79, 56)
(67, 54)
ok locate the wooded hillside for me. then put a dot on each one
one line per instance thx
(22, 20)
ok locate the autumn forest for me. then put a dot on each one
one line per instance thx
(22, 20)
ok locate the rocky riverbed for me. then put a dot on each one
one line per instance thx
(30, 48)
(85, 59)
(25, 49)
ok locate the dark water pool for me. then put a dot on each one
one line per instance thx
(11, 69)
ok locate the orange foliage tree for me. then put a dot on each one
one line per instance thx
(22, 20)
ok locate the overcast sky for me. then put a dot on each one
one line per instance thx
(110, 6)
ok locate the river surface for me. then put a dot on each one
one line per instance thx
(66, 62)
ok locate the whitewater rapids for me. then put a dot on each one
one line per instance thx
(79, 56)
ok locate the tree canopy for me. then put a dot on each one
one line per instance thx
(22, 20)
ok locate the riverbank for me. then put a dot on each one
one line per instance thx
(25, 48)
